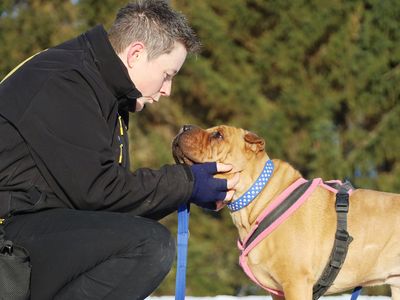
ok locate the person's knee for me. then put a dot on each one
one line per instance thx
(162, 247)
(154, 245)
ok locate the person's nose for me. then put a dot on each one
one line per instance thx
(166, 88)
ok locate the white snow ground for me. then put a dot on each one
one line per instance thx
(342, 297)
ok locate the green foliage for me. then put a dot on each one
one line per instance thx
(93, 12)
(27, 27)
(317, 79)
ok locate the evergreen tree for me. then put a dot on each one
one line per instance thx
(30, 26)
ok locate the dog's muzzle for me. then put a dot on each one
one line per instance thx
(177, 153)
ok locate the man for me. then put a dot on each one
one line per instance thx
(66, 192)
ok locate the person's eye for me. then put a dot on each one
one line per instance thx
(168, 76)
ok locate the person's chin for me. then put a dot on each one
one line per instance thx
(139, 106)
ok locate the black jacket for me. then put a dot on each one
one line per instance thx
(60, 116)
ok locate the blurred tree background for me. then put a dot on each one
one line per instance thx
(319, 80)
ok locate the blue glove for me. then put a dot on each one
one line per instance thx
(207, 189)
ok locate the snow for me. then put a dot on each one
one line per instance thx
(342, 297)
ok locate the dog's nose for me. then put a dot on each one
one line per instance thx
(187, 127)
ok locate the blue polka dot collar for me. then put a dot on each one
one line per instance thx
(255, 189)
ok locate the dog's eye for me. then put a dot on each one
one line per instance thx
(217, 135)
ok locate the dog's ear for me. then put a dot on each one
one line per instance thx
(254, 142)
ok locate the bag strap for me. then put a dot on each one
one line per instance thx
(6, 246)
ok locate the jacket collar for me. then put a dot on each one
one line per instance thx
(112, 70)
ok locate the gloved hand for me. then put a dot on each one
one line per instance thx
(207, 190)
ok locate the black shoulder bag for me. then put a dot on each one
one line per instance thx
(15, 270)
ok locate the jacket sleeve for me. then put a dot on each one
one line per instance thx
(71, 142)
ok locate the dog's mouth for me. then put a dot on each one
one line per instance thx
(184, 157)
(179, 156)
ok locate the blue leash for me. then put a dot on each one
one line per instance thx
(356, 293)
(183, 239)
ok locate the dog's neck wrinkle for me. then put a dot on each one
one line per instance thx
(241, 217)
(284, 175)
(247, 179)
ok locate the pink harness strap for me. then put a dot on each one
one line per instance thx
(245, 249)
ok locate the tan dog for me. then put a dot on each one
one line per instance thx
(293, 256)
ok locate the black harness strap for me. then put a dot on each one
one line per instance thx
(341, 245)
(279, 210)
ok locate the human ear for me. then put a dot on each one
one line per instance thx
(134, 51)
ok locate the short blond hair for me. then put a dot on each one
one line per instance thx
(155, 24)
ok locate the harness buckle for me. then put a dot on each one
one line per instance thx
(342, 202)
(342, 235)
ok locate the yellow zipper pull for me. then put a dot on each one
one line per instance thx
(120, 152)
(121, 130)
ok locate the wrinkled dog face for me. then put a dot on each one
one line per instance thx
(223, 144)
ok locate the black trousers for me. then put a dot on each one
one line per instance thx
(92, 255)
